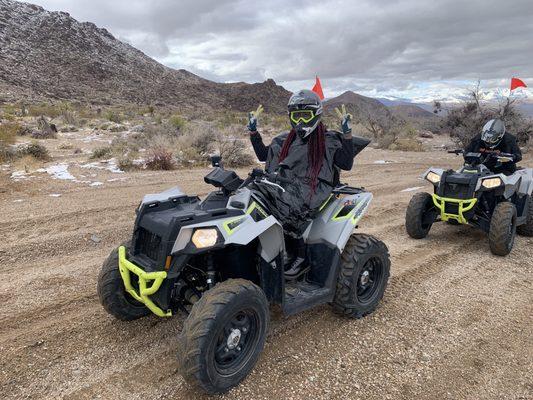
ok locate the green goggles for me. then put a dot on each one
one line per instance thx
(304, 116)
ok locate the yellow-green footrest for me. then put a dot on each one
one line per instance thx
(126, 268)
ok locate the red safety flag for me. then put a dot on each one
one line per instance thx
(318, 88)
(516, 83)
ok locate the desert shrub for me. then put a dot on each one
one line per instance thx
(8, 131)
(7, 153)
(35, 150)
(160, 159)
(177, 122)
(234, 152)
(65, 146)
(127, 164)
(102, 152)
(113, 116)
(407, 144)
(50, 110)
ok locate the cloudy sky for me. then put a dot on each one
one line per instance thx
(418, 49)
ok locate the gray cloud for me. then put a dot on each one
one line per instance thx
(380, 47)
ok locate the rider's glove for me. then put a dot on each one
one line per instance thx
(253, 117)
(345, 118)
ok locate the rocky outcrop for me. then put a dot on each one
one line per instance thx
(51, 55)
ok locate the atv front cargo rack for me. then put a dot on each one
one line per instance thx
(460, 205)
(126, 267)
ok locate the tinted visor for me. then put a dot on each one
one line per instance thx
(491, 137)
(304, 116)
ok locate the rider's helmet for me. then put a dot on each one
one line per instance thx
(493, 132)
(305, 111)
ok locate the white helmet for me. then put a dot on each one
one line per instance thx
(493, 132)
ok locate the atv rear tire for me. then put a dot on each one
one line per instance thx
(363, 276)
(502, 230)
(419, 206)
(223, 336)
(527, 228)
(112, 294)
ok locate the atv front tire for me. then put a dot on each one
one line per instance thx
(363, 276)
(527, 228)
(112, 294)
(416, 223)
(223, 336)
(502, 230)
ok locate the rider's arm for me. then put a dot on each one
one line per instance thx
(515, 151)
(344, 155)
(472, 147)
(261, 151)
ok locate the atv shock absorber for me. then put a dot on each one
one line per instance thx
(210, 267)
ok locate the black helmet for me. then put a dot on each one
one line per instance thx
(305, 111)
(493, 132)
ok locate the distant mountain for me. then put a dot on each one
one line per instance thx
(416, 115)
(361, 107)
(51, 55)
(412, 111)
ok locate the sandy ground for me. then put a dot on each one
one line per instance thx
(455, 322)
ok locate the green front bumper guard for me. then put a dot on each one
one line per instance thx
(463, 206)
(126, 267)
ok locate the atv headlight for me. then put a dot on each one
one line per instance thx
(433, 177)
(204, 238)
(491, 183)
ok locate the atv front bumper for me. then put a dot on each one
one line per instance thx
(453, 208)
(127, 268)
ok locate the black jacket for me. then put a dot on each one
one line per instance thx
(508, 144)
(295, 206)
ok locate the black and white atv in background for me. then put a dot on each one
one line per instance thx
(498, 204)
(221, 260)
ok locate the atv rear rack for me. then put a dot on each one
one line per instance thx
(463, 206)
(126, 267)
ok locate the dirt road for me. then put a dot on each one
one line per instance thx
(455, 323)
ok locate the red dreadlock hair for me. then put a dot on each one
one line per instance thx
(316, 148)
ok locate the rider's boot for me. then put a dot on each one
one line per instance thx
(298, 265)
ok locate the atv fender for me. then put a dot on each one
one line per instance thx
(337, 221)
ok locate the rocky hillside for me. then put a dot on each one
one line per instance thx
(51, 55)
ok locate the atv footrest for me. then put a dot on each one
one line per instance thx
(302, 295)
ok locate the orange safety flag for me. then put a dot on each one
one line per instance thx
(318, 88)
(516, 83)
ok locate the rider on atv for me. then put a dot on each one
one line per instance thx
(310, 156)
(494, 140)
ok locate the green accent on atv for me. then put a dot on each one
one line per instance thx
(255, 206)
(126, 267)
(463, 206)
(232, 224)
(353, 215)
(325, 203)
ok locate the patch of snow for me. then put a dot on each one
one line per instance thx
(55, 195)
(19, 175)
(59, 171)
(412, 189)
(383, 162)
(96, 184)
(116, 179)
(109, 165)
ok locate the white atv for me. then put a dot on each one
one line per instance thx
(221, 260)
(498, 204)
